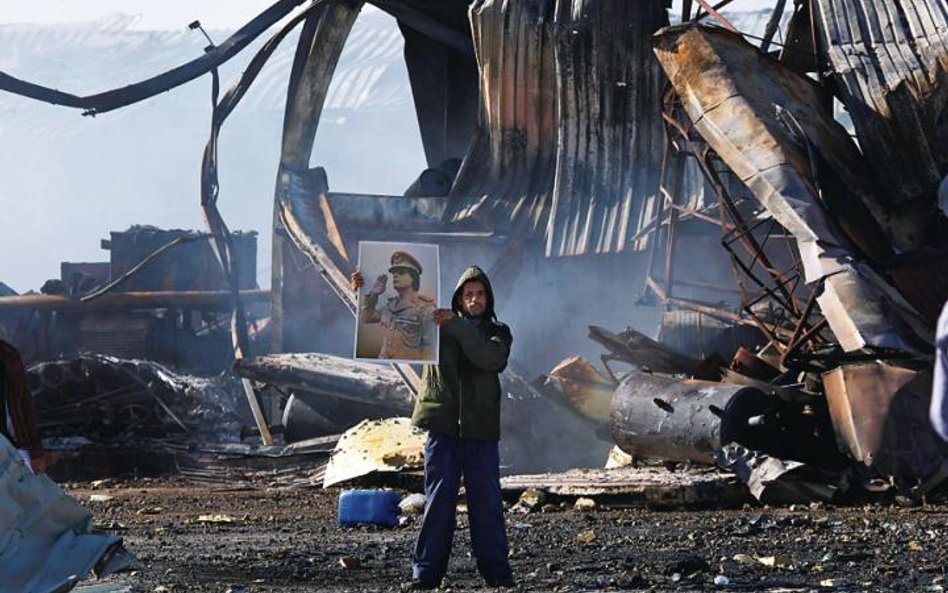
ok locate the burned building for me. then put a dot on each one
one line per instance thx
(608, 169)
(161, 296)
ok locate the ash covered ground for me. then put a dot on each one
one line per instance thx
(260, 540)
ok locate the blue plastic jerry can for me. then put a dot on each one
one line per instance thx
(373, 507)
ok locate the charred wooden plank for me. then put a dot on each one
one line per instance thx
(329, 376)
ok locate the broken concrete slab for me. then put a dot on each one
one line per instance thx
(653, 487)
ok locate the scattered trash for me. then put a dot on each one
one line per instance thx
(604, 581)
(743, 559)
(531, 500)
(216, 518)
(778, 561)
(721, 580)
(586, 537)
(413, 504)
(584, 504)
(350, 562)
(373, 507)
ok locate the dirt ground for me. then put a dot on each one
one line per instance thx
(260, 540)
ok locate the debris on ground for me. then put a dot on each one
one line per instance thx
(373, 446)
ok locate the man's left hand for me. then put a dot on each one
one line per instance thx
(442, 316)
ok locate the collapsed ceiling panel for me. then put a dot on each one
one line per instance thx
(889, 60)
(766, 123)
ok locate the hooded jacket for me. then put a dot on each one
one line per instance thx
(460, 396)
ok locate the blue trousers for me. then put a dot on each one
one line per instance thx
(447, 458)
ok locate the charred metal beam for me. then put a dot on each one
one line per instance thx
(636, 348)
(431, 27)
(330, 377)
(317, 55)
(301, 207)
(216, 300)
(713, 11)
(772, 25)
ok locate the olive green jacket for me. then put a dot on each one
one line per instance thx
(460, 396)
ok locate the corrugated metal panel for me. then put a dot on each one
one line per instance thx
(45, 544)
(507, 177)
(890, 63)
(611, 137)
(571, 136)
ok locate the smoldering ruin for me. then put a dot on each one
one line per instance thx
(720, 243)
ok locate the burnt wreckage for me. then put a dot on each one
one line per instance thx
(595, 159)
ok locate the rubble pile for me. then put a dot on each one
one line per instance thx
(107, 399)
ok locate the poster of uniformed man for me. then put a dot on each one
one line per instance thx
(396, 302)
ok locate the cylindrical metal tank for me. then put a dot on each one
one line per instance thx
(682, 420)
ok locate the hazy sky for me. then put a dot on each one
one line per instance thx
(173, 14)
(164, 14)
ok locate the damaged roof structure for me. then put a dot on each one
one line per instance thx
(589, 153)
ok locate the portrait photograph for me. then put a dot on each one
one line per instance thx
(395, 320)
